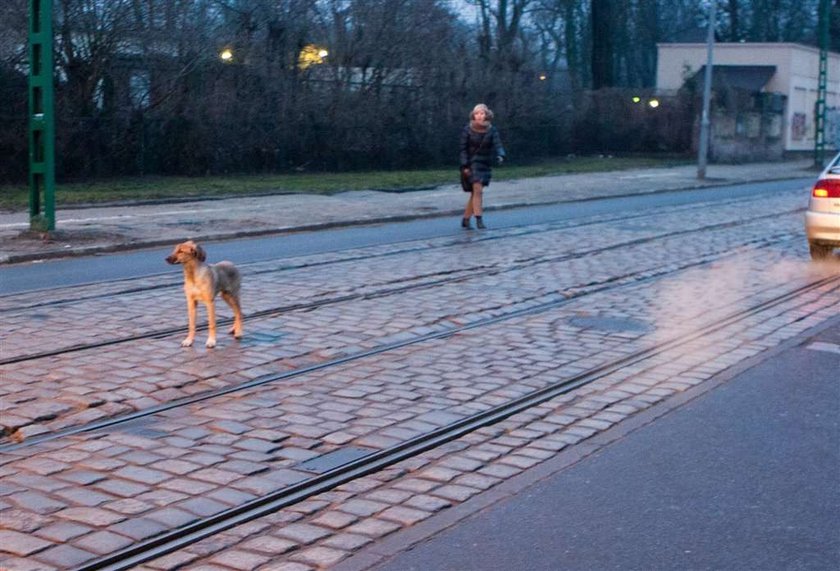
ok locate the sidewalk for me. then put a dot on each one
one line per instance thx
(108, 228)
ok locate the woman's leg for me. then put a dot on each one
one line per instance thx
(478, 207)
(476, 197)
(468, 209)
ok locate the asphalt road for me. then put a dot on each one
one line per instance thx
(743, 478)
(114, 266)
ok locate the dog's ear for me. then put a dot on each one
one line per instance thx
(199, 253)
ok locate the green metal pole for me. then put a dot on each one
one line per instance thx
(41, 118)
(819, 109)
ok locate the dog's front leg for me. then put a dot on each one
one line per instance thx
(188, 341)
(211, 325)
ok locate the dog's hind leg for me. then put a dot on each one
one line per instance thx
(233, 301)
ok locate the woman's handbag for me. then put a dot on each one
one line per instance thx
(466, 185)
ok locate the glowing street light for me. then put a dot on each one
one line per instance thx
(226, 55)
(653, 103)
(636, 99)
(311, 55)
(543, 77)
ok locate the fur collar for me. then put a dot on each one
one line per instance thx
(480, 127)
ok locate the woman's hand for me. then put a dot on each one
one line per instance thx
(466, 171)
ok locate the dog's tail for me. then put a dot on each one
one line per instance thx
(233, 280)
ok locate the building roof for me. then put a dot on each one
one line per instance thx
(746, 77)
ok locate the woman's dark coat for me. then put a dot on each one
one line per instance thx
(478, 151)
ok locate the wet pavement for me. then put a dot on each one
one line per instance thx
(366, 348)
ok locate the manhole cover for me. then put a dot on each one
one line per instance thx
(611, 324)
(334, 459)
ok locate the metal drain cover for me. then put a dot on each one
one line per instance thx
(335, 459)
(611, 324)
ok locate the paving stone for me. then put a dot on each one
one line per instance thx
(65, 556)
(346, 541)
(373, 528)
(389, 496)
(457, 493)
(230, 497)
(142, 475)
(202, 506)
(417, 485)
(138, 529)
(172, 561)
(270, 545)
(21, 564)
(478, 481)
(94, 517)
(404, 515)
(122, 488)
(36, 502)
(363, 507)
(178, 467)
(63, 531)
(334, 519)
(240, 560)
(428, 503)
(81, 477)
(21, 544)
(309, 506)
(286, 566)
(439, 474)
(188, 486)
(501, 471)
(319, 556)
(172, 517)
(303, 533)
(102, 542)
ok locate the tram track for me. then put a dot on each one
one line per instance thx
(185, 535)
(452, 277)
(542, 228)
(531, 307)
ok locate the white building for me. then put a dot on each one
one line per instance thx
(791, 70)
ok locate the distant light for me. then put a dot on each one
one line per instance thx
(226, 54)
(654, 103)
(311, 55)
(636, 99)
(543, 77)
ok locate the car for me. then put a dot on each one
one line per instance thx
(822, 219)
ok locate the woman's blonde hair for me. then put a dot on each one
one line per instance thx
(487, 113)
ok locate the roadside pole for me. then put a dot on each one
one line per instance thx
(41, 118)
(703, 150)
(819, 108)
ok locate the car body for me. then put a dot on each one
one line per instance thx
(822, 219)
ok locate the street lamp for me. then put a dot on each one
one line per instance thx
(703, 150)
(226, 55)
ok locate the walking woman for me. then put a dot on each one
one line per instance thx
(480, 146)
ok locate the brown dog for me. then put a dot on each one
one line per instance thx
(202, 282)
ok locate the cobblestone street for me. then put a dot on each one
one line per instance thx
(364, 350)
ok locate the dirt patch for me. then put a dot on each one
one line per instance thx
(79, 236)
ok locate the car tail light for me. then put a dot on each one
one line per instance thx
(826, 188)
